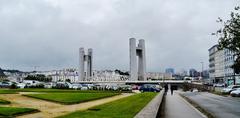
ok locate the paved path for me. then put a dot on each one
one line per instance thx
(177, 107)
(50, 109)
(219, 106)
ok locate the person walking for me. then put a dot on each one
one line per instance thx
(172, 88)
(166, 88)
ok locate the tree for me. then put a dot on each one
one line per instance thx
(229, 37)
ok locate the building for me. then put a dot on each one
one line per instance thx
(216, 64)
(169, 71)
(228, 71)
(158, 76)
(72, 75)
(193, 73)
(108, 75)
(220, 62)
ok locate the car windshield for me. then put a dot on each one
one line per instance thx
(230, 86)
(238, 89)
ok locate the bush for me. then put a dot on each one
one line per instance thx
(13, 86)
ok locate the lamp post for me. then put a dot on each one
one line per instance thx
(201, 74)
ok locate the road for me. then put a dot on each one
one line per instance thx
(219, 106)
(177, 107)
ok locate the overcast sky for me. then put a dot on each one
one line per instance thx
(48, 33)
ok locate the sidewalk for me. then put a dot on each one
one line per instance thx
(177, 107)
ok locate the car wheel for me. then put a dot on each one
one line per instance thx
(238, 95)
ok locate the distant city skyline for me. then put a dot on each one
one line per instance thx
(46, 35)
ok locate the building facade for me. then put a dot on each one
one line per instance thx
(169, 71)
(220, 62)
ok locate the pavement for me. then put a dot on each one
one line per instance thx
(177, 107)
(219, 106)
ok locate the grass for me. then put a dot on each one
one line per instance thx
(15, 91)
(123, 108)
(220, 93)
(197, 106)
(63, 90)
(13, 111)
(71, 98)
(8, 91)
(4, 102)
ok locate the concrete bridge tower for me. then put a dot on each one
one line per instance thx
(82, 75)
(137, 53)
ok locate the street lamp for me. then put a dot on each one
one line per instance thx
(201, 74)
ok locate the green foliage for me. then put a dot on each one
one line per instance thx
(123, 108)
(229, 36)
(71, 98)
(38, 77)
(1, 73)
(121, 73)
(68, 80)
(13, 86)
(13, 111)
(4, 102)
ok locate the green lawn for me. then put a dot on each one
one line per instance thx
(63, 90)
(8, 91)
(123, 108)
(71, 98)
(14, 91)
(13, 111)
(4, 102)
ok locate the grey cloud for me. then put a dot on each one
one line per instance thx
(48, 33)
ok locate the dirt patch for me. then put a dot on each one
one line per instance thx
(18, 100)
(50, 109)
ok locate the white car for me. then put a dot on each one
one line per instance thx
(235, 93)
(219, 85)
(230, 88)
(21, 85)
(76, 86)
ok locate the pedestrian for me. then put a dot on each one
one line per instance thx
(171, 90)
(166, 88)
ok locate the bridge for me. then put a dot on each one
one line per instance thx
(138, 82)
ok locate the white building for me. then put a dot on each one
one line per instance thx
(220, 62)
(72, 75)
(216, 64)
(108, 75)
(158, 75)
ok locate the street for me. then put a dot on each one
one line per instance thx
(219, 106)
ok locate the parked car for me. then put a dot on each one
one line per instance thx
(235, 93)
(5, 84)
(125, 88)
(149, 88)
(135, 87)
(84, 87)
(48, 85)
(61, 85)
(21, 85)
(230, 88)
(76, 86)
(219, 85)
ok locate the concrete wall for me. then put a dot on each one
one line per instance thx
(152, 108)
